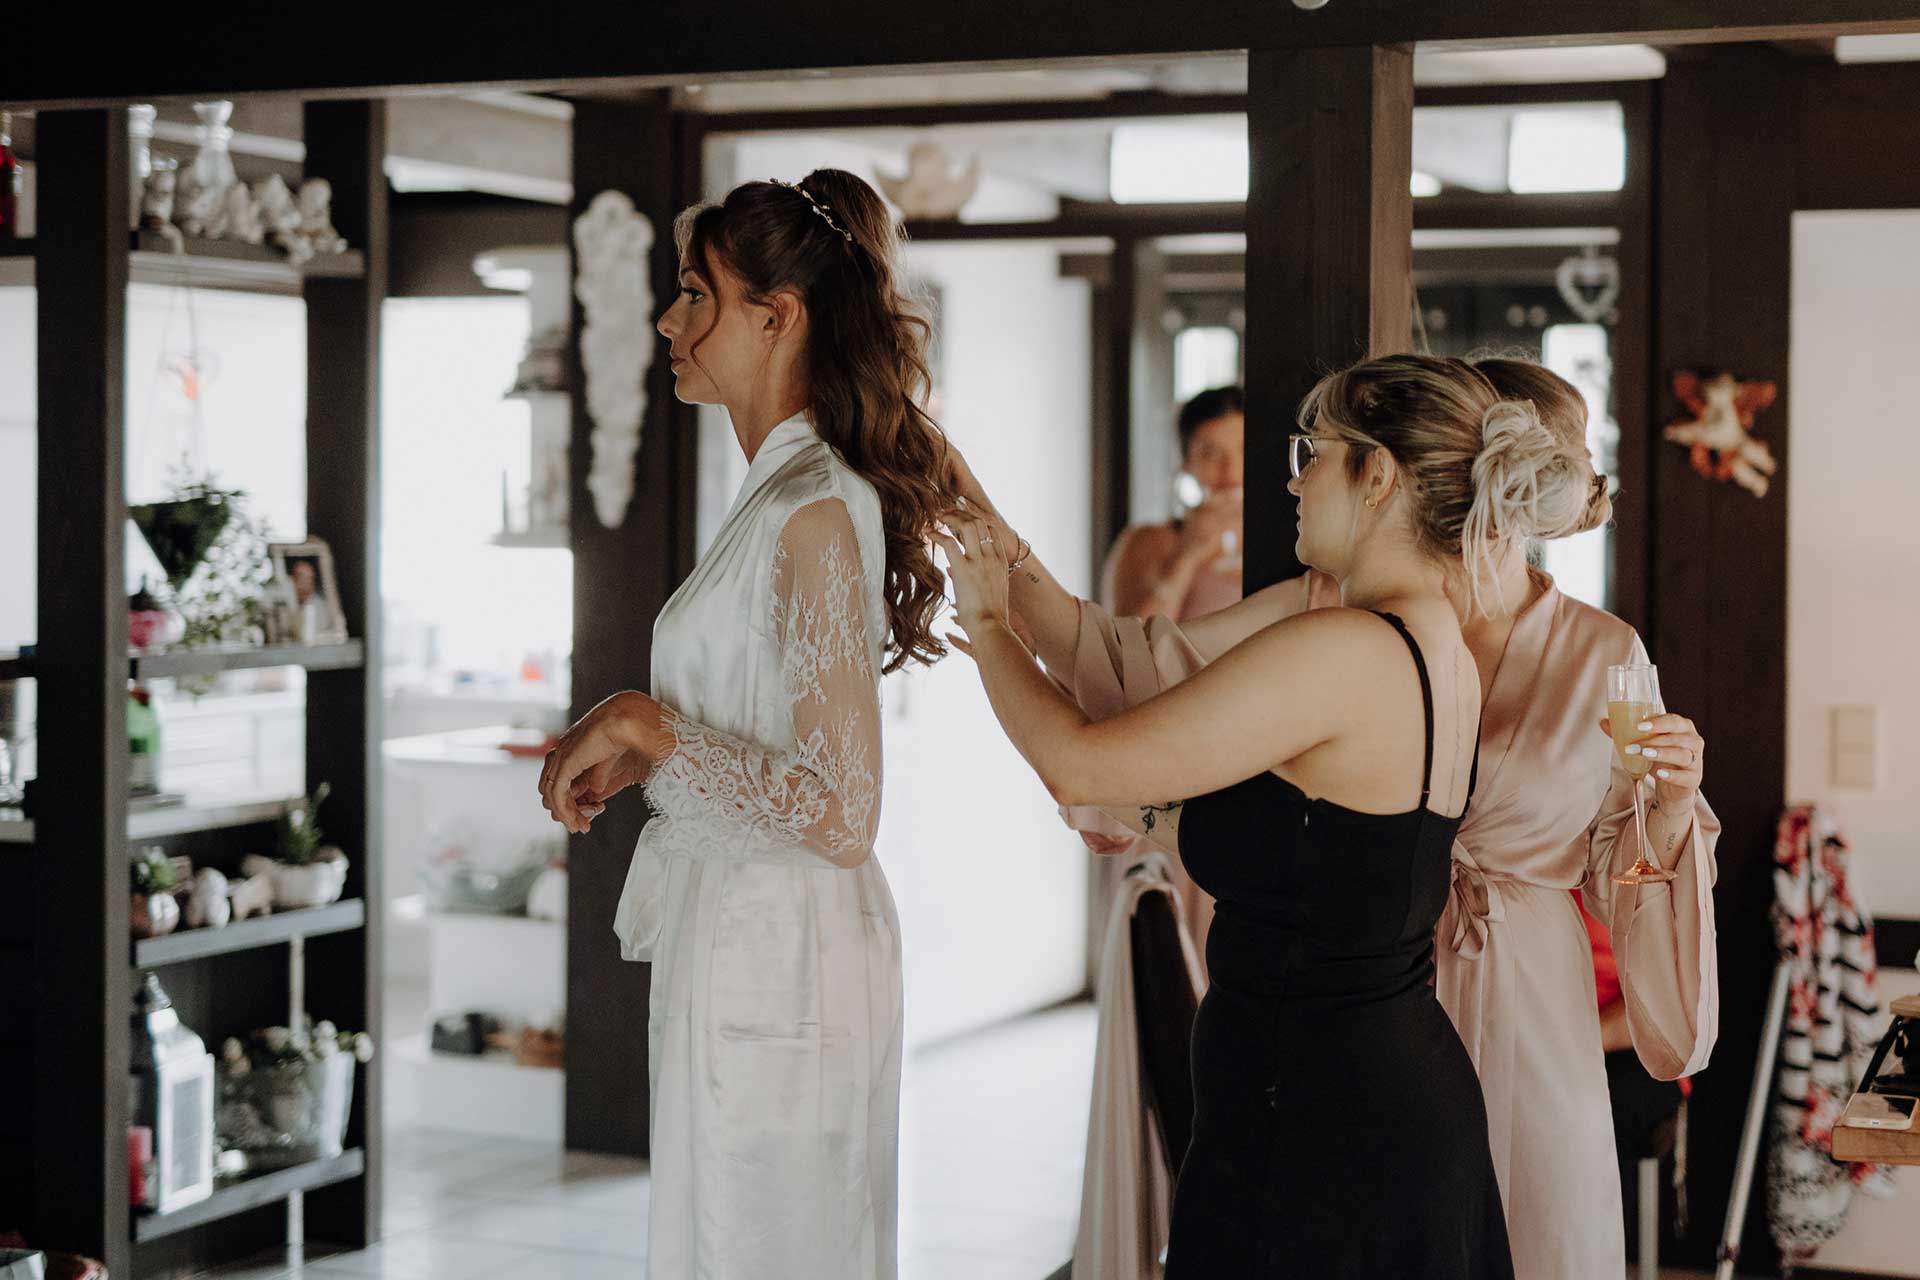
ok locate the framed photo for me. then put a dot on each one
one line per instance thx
(303, 599)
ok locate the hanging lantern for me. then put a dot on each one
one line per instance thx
(172, 1096)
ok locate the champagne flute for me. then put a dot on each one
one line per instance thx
(1633, 694)
(1189, 495)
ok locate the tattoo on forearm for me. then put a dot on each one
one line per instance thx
(1033, 577)
(1150, 813)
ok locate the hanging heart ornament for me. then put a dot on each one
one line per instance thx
(1590, 285)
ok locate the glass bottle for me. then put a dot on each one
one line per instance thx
(143, 744)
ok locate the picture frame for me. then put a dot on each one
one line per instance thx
(303, 596)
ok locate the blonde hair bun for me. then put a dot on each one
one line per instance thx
(1527, 482)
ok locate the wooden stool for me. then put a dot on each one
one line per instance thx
(1886, 1146)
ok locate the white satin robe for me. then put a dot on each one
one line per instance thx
(774, 1032)
(1514, 970)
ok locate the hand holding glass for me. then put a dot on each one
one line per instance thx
(1633, 695)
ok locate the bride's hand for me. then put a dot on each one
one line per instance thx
(592, 789)
(977, 567)
(611, 747)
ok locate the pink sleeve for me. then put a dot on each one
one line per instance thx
(1120, 663)
(1663, 934)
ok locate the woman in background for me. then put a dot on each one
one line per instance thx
(1184, 568)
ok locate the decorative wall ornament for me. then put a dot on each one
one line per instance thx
(1589, 284)
(612, 241)
(1718, 434)
(930, 188)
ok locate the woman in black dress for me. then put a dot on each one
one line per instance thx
(1312, 779)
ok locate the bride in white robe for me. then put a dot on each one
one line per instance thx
(775, 1024)
(774, 1035)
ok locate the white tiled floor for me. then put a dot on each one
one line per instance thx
(993, 1129)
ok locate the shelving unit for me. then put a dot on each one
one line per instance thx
(64, 1048)
(211, 264)
(242, 1194)
(210, 661)
(244, 935)
(197, 816)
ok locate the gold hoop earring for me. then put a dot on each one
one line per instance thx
(1372, 503)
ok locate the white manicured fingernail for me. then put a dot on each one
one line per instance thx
(1634, 750)
(1645, 725)
(1652, 754)
(1663, 773)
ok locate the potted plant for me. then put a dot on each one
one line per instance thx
(306, 873)
(286, 1092)
(149, 624)
(214, 554)
(154, 909)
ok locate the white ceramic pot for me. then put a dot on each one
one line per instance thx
(312, 885)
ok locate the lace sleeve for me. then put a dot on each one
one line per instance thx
(821, 798)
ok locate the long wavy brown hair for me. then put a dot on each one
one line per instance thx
(833, 243)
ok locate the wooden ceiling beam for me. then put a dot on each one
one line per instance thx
(53, 52)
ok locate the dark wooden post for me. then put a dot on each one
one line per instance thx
(1329, 250)
(621, 578)
(1113, 302)
(347, 144)
(80, 883)
(1717, 556)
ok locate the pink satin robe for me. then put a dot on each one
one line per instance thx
(1552, 812)
(1213, 589)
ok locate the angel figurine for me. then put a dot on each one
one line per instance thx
(242, 220)
(1719, 433)
(282, 218)
(316, 216)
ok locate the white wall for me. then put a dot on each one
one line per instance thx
(992, 887)
(1853, 580)
(1853, 591)
(19, 541)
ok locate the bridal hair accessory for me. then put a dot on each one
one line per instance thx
(825, 211)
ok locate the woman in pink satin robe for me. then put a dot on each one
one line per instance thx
(1552, 812)
(1184, 568)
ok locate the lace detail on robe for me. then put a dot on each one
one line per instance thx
(819, 799)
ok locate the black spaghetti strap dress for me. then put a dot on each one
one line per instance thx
(1339, 1129)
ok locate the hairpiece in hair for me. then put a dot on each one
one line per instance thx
(824, 210)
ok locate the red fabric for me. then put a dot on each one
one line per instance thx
(1606, 973)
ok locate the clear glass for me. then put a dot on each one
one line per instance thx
(1633, 694)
